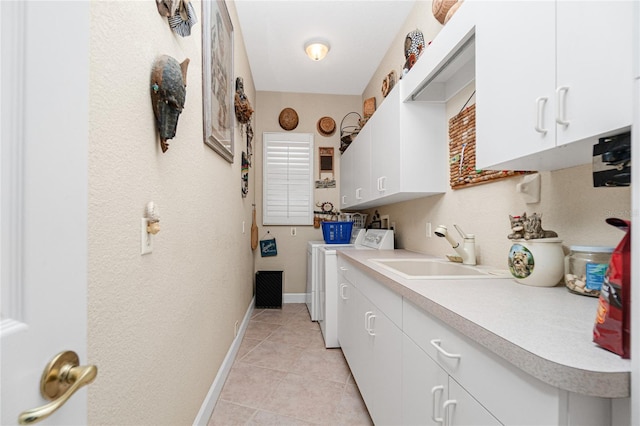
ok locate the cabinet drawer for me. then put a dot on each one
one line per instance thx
(510, 394)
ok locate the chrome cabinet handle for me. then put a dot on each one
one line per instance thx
(61, 378)
(436, 344)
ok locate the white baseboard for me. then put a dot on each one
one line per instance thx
(206, 410)
(294, 297)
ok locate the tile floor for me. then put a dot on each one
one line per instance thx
(283, 375)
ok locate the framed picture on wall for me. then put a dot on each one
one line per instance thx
(326, 160)
(217, 77)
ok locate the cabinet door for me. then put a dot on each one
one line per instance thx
(372, 344)
(385, 146)
(385, 344)
(348, 297)
(424, 386)
(594, 64)
(347, 189)
(462, 409)
(429, 394)
(353, 313)
(361, 362)
(361, 166)
(515, 80)
(347, 311)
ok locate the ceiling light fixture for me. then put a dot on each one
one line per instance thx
(317, 50)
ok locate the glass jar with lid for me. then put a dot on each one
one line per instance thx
(584, 269)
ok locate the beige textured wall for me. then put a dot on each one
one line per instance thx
(569, 204)
(420, 18)
(159, 325)
(292, 251)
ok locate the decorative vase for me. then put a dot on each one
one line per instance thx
(537, 262)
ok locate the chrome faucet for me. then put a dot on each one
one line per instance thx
(468, 250)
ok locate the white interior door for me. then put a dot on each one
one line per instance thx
(44, 70)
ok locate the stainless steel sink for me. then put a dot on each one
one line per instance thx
(431, 269)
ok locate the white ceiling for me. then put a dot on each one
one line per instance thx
(359, 31)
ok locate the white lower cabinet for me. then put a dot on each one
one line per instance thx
(431, 397)
(424, 386)
(384, 339)
(353, 341)
(463, 409)
(489, 390)
(414, 369)
(371, 343)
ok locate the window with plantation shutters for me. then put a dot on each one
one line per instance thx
(288, 179)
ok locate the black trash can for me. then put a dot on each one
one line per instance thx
(269, 289)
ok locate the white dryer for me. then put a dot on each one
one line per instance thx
(374, 239)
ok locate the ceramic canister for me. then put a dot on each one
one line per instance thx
(538, 262)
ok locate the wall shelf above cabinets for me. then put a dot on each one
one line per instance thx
(448, 64)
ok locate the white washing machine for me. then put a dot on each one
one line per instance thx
(313, 273)
(374, 239)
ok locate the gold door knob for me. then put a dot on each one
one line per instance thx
(61, 378)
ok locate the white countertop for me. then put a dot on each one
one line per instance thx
(545, 331)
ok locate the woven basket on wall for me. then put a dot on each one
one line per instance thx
(288, 119)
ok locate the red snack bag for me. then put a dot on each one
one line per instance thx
(612, 327)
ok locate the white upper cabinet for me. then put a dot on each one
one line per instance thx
(398, 155)
(550, 75)
(355, 171)
(595, 65)
(408, 150)
(347, 191)
(385, 157)
(407, 135)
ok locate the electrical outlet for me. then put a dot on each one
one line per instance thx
(243, 231)
(293, 232)
(428, 233)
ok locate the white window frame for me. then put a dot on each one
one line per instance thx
(288, 186)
